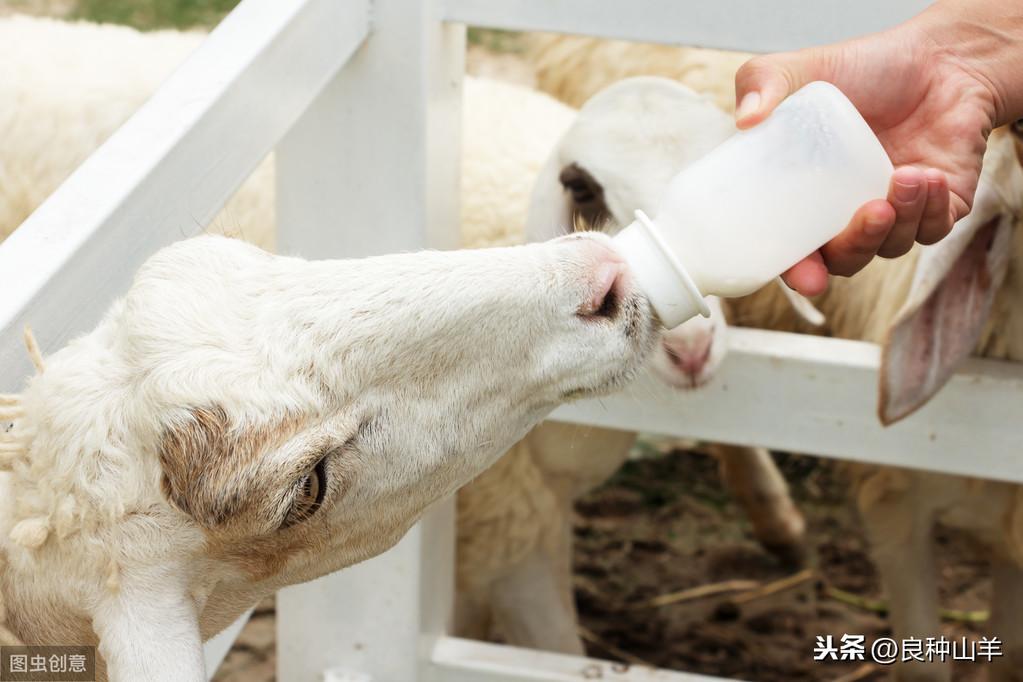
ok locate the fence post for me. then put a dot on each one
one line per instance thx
(373, 167)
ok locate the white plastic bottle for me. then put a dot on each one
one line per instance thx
(757, 204)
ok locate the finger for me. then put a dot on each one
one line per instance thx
(858, 243)
(936, 220)
(763, 82)
(958, 207)
(809, 276)
(907, 194)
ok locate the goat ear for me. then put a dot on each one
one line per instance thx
(586, 196)
(940, 323)
(803, 306)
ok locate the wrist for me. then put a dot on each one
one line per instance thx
(985, 39)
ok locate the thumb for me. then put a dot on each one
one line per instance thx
(763, 82)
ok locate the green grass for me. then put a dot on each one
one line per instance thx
(153, 14)
(495, 40)
(181, 14)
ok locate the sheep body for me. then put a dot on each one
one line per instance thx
(58, 110)
(507, 133)
(96, 76)
(575, 68)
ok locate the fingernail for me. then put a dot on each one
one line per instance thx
(749, 105)
(906, 193)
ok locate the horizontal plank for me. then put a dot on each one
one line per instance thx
(819, 396)
(751, 25)
(166, 172)
(464, 660)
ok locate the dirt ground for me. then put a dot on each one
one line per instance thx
(664, 524)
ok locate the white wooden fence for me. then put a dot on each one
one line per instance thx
(361, 100)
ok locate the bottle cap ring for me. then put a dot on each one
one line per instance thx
(669, 255)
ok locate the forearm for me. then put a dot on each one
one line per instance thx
(986, 36)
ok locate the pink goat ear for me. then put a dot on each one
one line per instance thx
(945, 314)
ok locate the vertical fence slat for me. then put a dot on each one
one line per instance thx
(372, 167)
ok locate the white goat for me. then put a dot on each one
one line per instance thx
(514, 530)
(242, 421)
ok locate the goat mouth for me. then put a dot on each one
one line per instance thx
(688, 378)
(640, 328)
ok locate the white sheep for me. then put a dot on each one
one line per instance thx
(514, 530)
(575, 68)
(57, 110)
(239, 422)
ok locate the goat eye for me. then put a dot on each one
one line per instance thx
(309, 497)
(1017, 126)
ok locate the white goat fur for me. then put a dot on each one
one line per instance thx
(57, 110)
(156, 461)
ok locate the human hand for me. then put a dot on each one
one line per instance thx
(930, 109)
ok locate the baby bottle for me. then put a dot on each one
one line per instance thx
(757, 204)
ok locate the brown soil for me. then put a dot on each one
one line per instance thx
(664, 524)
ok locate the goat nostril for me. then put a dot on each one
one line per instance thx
(604, 301)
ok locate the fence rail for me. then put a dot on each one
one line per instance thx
(819, 396)
(747, 25)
